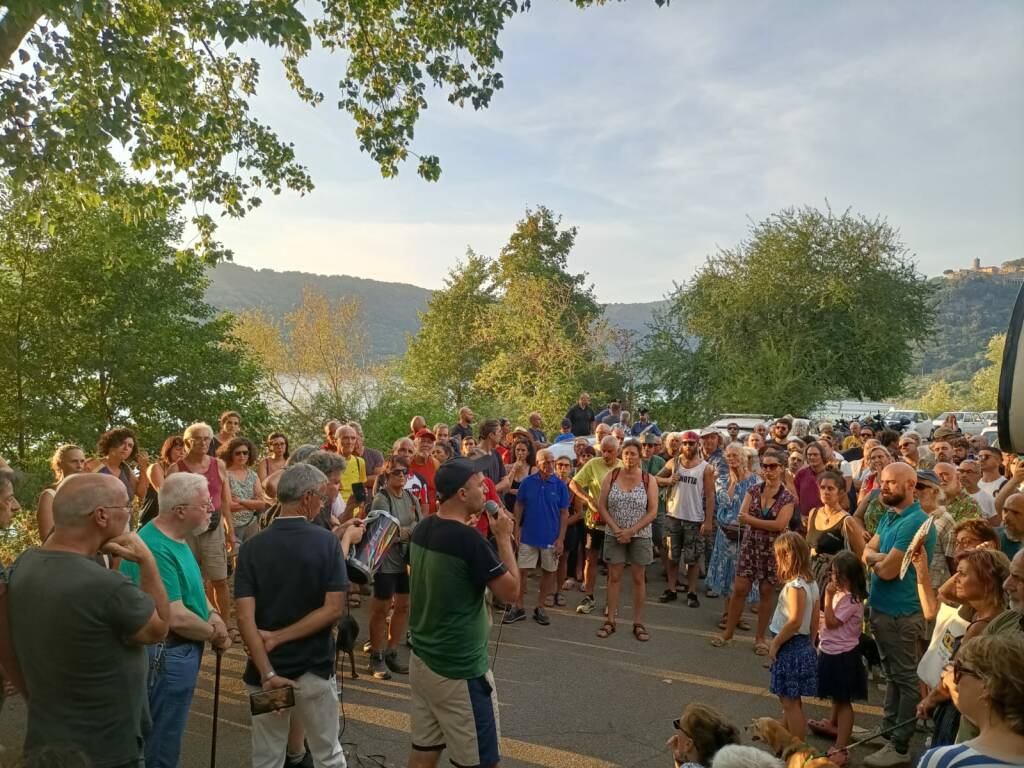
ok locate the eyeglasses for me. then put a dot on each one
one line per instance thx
(959, 670)
(207, 505)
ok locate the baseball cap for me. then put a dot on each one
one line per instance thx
(649, 438)
(708, 431)
(453, 475)
(566, 424)
(424, 433)
(689, 435)
(942, 433)
(928, 477)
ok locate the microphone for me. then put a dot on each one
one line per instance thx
(492, 508)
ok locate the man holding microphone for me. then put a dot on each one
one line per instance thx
(454, 703)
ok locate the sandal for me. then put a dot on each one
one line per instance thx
(560, 599)
(608, 628)
(720, 642)
(743, 624)
(640, 633)
(823, 727)
(568, 584)
(839, 757)
(761, 648)
(354, 601)
(549, 601)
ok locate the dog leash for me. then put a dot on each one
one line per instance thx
(875, 735)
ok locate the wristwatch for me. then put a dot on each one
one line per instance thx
(269, 675)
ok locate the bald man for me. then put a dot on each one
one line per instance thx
(896, 617)
(79, 628)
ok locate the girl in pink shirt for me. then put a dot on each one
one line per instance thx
(841, 673)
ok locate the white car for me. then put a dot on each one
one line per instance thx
(989, 417)
(969, 422)
(745, 421)
(991, 435)
(565, 449)
(910, 421)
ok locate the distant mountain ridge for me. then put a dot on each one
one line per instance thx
(972, 308)
(389, 309)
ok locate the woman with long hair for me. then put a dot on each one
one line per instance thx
(523, 464)
(726, 552)
(276, 458)
(869, 503)
(248, 501)
(117, 448)
(171, 452)
(67, 460)
(764, 515)
(700, 733)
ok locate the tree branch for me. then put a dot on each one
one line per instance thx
(15, 24)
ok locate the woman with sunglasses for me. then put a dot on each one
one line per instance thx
(277, 458)
(700, 733)
(764, 515)
(985, 683)
(391, 582)
(247, 498)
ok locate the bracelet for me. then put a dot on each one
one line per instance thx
(269, 675)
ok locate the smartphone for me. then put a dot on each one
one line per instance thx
(359, 491)
(262, 702)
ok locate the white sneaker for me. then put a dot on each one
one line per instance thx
(887, 757)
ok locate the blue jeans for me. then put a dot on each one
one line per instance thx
(173, 671)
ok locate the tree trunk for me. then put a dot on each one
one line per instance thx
(16, 23)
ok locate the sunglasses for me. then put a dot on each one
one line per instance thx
(399, 471)
(241, 453)
(688, 442)
(678, 726)
(773, 465)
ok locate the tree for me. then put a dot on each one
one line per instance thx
(313, 363)
(103, 323)
(442, 359)
(813, 306)
(166, 84)
(985, 383)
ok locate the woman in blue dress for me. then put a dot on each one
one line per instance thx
(722, 568)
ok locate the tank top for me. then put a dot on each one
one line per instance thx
(686, 500)
(828, 541)
(627, 508)
(212, 475)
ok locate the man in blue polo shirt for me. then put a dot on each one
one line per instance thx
(896, 618)
(541, 514)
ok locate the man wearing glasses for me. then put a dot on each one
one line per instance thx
(80, 629)
(289, 591)
(541, 513)
(184, 508)
(211, 545)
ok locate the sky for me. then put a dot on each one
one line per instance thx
(662, 133)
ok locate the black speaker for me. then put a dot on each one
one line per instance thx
(1010, 413)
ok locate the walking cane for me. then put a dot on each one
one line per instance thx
(216, 706)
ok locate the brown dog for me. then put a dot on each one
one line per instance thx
(795, 753)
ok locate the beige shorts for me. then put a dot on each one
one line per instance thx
(458, 715)
(210, 549)
(530, 557)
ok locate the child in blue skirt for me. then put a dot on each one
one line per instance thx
(795, 625)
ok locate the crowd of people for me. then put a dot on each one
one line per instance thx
(867, 549)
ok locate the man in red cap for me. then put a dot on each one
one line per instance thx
(690, 509)
(425, 465)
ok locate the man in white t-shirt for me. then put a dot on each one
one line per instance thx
(990, 462)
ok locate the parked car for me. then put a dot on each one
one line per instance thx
(991, 435)
(565, 449)
(902, 421)
(745, 421)
(989, 417)
(969, 422)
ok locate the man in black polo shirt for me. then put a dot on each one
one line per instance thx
(289, 588)
(581, 416)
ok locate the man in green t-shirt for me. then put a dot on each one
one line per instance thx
(586, 485)
(185, 508)
(454, 703)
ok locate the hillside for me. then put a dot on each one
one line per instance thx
(972, 309)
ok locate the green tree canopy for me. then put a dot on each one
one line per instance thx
(169, 83)
(103, 323)
(813, 306)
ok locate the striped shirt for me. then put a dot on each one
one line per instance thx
(961, 756)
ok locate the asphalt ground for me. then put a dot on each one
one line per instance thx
(567, 698)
